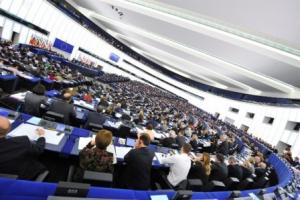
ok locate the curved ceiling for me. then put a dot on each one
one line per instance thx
(250, 47)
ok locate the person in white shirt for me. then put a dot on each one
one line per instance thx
(180, 165)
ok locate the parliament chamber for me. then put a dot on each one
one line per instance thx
(150, 100)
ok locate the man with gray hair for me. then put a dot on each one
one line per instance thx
(223, 146)
(234, 169)
(18, 154)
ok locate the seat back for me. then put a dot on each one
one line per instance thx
(54, 116)
(98, 178)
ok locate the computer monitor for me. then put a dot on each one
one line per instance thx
(60, 127)
(159, 197)
(130, 142)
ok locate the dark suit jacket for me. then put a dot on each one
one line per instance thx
(194, 144)
(64, 108)
(167, 142)
(96, 118)
(197, 171)
(33, 103)
(223, 148)
(218, 172)
(246, 172)
(260, 171)
(180, 141)
(138, 169)
(19, 156)
(235, 171)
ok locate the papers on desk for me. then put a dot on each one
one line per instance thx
(83, 141)
(159, 135)
(25, 76)
(19, 96)
(205, 143)
(84, 104)
(52, 137)
(159, 156)
(122, 151)
(113, 124)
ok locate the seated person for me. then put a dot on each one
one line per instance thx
(149, 130)
(180, 139)
(34, 100)
(287, 154)
(189, 129)
(223, 146)
(169, 141)
(247, 169)
(260, 170)
(18, 155)
(201, 168)
(64, 107)
(233, 145)
(96, 118)
(194, 141)
(219, 169)
(103, 103)
(139, 163)
(88, 97)
(94, 156)
(234, 169)
(180, 165)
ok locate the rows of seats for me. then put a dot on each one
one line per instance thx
(166, 112)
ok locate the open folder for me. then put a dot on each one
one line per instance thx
(52, 137)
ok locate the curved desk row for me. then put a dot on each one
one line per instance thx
(20, 189)
(84, 70)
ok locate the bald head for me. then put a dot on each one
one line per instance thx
(4, 126)
(67, 96)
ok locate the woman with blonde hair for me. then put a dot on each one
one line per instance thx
(201, 168)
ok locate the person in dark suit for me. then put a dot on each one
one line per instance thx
(180, 139)
(64, 107)
(234, 170)
(219, 169)
(139, 163)
(169, 141)
(95, 118)
(201, 168)
(18, 155)
(246, 167)
(34, 100)
(260, 170)
(223, 147)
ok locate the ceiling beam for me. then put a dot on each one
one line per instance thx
(176, 60)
